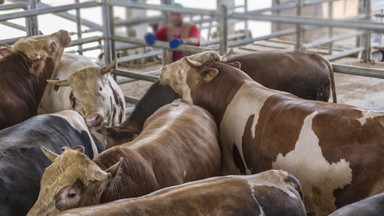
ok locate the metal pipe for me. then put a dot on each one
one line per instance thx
(92, 25)
(135, 75)
(40, 11)
(21, 5)
(165, 8)
(330, 29)
(160, 44)
(78, 28)
(344, 53)
(332, 39)
(223, 29)
(86, 40)
(298, 27)
(360, 71)
(351, 24)
(107, 30)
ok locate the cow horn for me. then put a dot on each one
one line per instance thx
(108, 67)
(49, 154)
(226, 56)
(64, 82)
(113, 169)
(192, 63)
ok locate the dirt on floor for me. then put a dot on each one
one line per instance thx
(360, 91)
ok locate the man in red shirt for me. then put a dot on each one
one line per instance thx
(177, 33)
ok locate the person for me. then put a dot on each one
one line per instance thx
(177, 32)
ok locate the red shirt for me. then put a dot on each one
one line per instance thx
(161, 35)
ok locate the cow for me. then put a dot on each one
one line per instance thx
(273, 192)
(22, 163)
(335, 150)
(179, 143)
(24, 70)
(371, 206)
(304, 74)
(79, 84)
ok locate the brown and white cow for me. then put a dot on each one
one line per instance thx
(335, 150)
(304, 74)
(273, 192)
(23, 74)
(178, 144)
(79, 84)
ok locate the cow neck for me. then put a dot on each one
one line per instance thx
(15, 73)
(133, 178)
(227, 83)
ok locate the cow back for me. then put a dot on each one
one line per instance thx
(22, 163)
(304, 74)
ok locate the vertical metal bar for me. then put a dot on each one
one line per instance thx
(366, 55)
(78, 27)
(298, 26)
(223, 25)
(106, 14)
(246, 21)
(33, 20)
(330, 29)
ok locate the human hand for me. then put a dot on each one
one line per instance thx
(175, 42)
(150, 38)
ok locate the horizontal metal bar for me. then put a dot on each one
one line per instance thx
(132, 100)
(135, 75)
(73, 18)
(344, 53)
(352, 24)
(86, 40)
(22, 5)
(40, 11)
(160, 44)
(14, 25)
(361, 71)
(139, 56)
(165, 8)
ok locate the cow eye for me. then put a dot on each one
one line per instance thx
(101, 88)
(71, 195)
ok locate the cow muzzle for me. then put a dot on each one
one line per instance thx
(94, 120)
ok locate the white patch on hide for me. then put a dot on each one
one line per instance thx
(367, 114)
(248, 101)
(308, 164)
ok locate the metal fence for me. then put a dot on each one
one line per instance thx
(367, 22)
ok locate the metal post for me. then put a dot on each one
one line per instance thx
(330, 29)
(78, 27)
(367, 37)
(298, 26)
(223, 29)
(33, 20)
(106, 12)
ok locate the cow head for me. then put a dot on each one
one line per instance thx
(43, 46)
(189, 72)
(92, 93)
(176, 73)
(72, 180)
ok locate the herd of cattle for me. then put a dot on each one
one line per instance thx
(250, 134)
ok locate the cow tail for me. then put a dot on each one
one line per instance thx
(332, 77)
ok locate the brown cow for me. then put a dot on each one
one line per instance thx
(178, 144)
(304, 74)
(23, 74)
(335, 150)
(273, 192)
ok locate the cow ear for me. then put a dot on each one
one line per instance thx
(49, 154)
(59, 82)
(113, 169)
(108, 67)
(5, 52)
(210, 74)
(79, 148)
(52, 47)
(235, 64)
